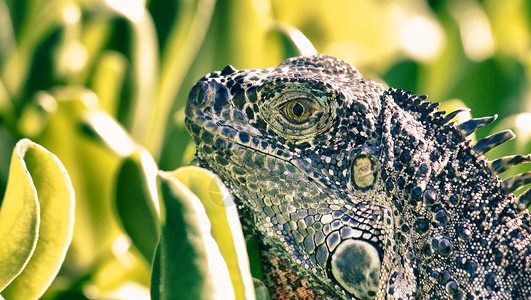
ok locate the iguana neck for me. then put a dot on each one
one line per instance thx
(447, 204)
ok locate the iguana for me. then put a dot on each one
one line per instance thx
(357, 191)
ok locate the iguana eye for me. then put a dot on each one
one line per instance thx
(297, 110)
(296, 114)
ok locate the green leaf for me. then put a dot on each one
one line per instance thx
(144, 63)
(7, 34)
(38, 21)
(156, 275)
(137, 202)
(184, 41)
(45, 174)
(226, 228)
(190, 265)
(109, 75)
(260, 290)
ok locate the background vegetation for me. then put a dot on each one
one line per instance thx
(102, 84)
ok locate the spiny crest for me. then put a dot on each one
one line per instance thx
(406, 99)
(470, 126)
(482, 146)
(498, 166)
(524, 200)
(502, 164)
(418, 103)
(486, 144)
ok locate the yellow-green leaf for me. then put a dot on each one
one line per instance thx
(188, 263)
(19, 218)
(226, 228)
(56, 202)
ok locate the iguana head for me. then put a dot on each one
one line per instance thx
(355, 190)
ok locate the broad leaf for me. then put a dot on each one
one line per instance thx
(188, 263)
(19, 218)
(226, 228)
(137, 202)
(44, 178)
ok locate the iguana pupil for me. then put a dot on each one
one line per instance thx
(298, 109)
(357, 191)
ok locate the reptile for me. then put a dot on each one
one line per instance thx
(358, 191)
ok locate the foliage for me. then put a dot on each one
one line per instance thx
(101, 84)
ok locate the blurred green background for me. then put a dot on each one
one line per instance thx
(90, 80)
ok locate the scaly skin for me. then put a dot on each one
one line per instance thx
(356, 191)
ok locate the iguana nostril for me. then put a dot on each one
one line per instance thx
(199, 94)
(356, 267)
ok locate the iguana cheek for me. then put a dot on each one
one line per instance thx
(355, 265)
